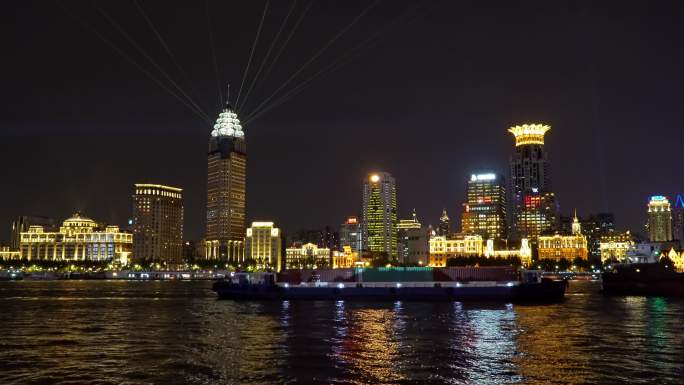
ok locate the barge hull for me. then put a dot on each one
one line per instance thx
(549, 291)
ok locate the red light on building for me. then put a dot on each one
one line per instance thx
(352, 220)
(532, 201)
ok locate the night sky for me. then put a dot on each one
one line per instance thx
(430, 103)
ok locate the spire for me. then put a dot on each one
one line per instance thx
(444, 216)
(576, 226)
(228, 96)
(415, 217)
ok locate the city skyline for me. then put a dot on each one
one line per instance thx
(143, 114)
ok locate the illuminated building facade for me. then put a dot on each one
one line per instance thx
(412, 241)
(345, 259)
(678, 220)
(534, 209)
(380, 214)
(308, 256)
(659, 219)
(524, 252)
(22, 224)
(350, 234)
(614, 246)
(263, 245)
(677, 259)
(461, 245)
(485, 211)
(226, 188)
(567, 247)
(6, 253)
(158, 224)
(78, 239)
(444, 227)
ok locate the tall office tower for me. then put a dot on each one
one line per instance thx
(485, 211)
(262, 244)
(533, 205)
(22, 225)
(678, 220)
(350, 235)
(226, 187)
(444, 228)
(659, 219)
(158, 224)
(380, 214)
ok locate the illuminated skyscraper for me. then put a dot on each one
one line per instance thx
(485, 211)
(158, 223)
(226, 187)
(534, 209)
(659, 219)
(380, 214)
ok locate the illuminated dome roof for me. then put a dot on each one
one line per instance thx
(228, 124)
(78, 220)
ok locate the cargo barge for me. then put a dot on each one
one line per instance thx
(423, 284)
(643, 279)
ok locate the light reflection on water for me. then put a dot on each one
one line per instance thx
(177, 333)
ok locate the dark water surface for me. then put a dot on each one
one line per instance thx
(177, 333)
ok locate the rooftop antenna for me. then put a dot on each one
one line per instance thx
(228, 95)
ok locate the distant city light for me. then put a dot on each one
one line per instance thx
(375, 178)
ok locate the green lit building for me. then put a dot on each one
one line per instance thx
(380, 214)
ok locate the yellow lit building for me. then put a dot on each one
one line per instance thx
(6, 254)
(380, 214)
(566, 247)
(78, 239)
(677, 259)
(615, 245)
(659, 219)
(485, 211)
(344, 259)
(158, 224)
(308, 256)
(443, 248)
(226, 188)
(262, 244)
(524, 252)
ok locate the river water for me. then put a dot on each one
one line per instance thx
(90, 332)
